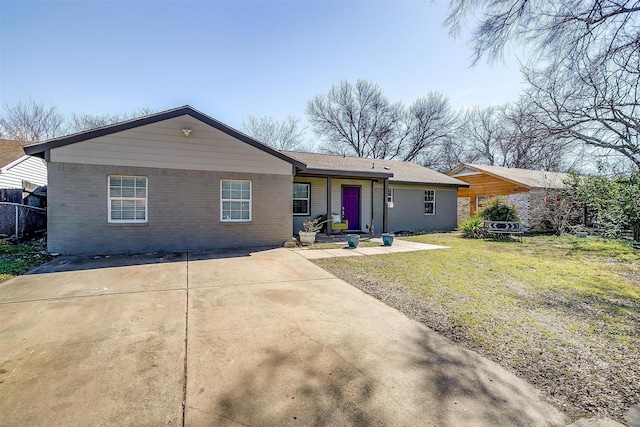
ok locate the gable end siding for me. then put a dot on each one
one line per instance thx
(162, 145)
(32, 169)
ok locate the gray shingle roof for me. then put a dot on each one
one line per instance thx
(402, 172)
(526, 177)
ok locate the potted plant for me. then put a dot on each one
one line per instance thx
(353, 240)
(311, 227)
(387, 239)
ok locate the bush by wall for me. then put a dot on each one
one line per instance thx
(499, 209)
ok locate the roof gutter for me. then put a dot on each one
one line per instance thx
(344, 174)
(435, 184)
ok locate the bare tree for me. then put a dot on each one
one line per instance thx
(597, 107)
(358, 120)
(284, 135)
(452, 150)
(355, 120)
(31, 121)
(510, 135)
(425, 125)
(525, 143)
(79, 122)
(481, 129)
(567, 29)
(587, 86)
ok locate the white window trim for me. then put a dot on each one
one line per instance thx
(390, 195)
(146, 201)
(222, 219)
(434, 202)
(308, 199)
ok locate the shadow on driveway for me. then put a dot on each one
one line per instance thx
(260, 338)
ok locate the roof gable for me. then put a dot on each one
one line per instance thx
(40, 149)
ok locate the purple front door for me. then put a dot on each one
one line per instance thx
(351, 206)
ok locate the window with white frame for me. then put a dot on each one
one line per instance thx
(390, 197)
(127, 199)
(235, 200)
(301, 199)
(429, 202)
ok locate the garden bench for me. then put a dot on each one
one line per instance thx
(498, 229)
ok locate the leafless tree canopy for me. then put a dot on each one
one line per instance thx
(31, 121)
(79, 122)
(511, 136)
(587, 86)
(598, 108)
(285, 135)
(424, 128)
(35, 121)
(553, 28)
(358, 120)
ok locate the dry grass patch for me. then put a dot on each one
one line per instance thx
(562, 312)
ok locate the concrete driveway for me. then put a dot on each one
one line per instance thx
(242, 339)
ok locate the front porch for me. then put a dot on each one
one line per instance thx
(353, 204)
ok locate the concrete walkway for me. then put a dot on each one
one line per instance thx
(342, 250)
(240, 339)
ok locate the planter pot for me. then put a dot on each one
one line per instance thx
(387, 239)
(353, 240)
(307, 237)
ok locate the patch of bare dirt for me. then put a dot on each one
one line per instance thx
(583, 378)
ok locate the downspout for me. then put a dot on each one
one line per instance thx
(385, 205)
(371, 230)
(329, 229)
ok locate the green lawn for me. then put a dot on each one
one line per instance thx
(562, 312)
(17, 260)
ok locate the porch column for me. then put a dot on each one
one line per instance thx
(385, 206)
(329, 223)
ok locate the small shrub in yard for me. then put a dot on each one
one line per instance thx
(499, 209)
(471, 228)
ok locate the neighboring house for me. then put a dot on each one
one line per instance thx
(16, 167)
(529, 190)
(180, 179)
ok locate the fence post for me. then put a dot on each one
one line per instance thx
(16, 223)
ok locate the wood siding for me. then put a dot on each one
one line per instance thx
(32, 169)
(163, 145)
(482, 184)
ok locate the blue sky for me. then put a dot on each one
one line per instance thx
(234, 59)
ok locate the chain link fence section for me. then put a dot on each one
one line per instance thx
(20, 221)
